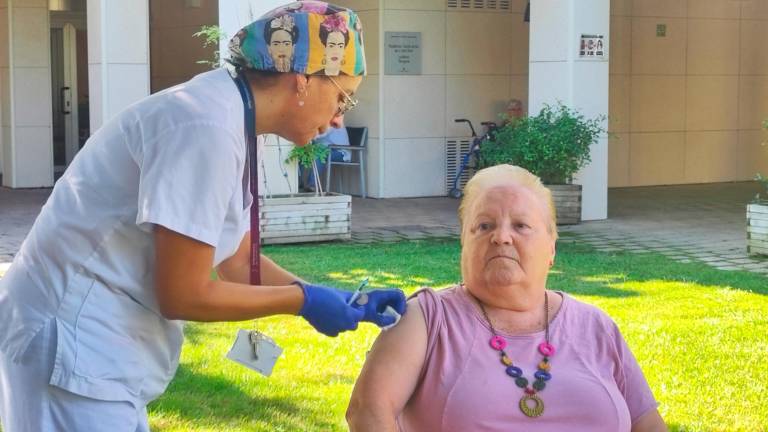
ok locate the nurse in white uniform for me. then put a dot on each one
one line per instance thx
(92, 308)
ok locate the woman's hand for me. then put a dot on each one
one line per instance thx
(376, 302)
(330, 312)
(327, 309)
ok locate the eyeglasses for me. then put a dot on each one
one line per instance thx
(348, 103)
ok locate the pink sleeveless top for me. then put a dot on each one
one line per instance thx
(596, 382)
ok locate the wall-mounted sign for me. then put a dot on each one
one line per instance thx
(661, 30)
(592, 46)
(402, 53)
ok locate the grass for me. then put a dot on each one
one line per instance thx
(698, 333)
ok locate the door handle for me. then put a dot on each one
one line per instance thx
(65, 101)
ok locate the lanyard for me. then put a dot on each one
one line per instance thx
(251, 175)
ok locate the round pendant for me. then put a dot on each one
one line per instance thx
(538, 405)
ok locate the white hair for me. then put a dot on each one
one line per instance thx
(505, 174)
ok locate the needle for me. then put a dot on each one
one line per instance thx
(358, 291)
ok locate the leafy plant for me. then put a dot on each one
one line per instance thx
(307, 157)
(308, 154)
(211, 35)
(553, 144)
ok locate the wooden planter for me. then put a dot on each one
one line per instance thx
(567, 203)
(757, 229)
(304, 217)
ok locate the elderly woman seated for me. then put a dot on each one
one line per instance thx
(500, 352)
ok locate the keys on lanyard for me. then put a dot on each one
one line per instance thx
(254, 337)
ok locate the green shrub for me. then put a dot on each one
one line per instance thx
(554, 144)
(306, 155)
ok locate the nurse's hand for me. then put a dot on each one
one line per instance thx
(374, 303)
(327, 309)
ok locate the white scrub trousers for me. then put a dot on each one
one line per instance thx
(29, 404)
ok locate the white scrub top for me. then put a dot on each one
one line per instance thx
(174, 159)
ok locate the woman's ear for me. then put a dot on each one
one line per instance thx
(302, 82)
(554, 253)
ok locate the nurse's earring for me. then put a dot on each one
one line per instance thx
(301, 101)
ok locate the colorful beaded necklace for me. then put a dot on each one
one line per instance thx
(542, 375)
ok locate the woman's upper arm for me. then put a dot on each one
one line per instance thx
(650, 422)
(391, 371)
(182, 270)
(230, 269)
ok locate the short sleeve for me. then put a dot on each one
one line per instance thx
(630, 379)
(188, 175)
(430, 308)
(434, 316)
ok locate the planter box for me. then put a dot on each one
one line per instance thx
(757, 229)
(304, 217)
(567, 203)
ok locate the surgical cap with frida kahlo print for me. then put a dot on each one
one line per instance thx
(305, 37)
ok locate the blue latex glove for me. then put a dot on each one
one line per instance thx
(376, 301)
(327, 309)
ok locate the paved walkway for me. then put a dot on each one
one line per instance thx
(18, 210)
(704, 223)
(403, 218)
(687, 223)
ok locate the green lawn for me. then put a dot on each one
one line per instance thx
(699, 334)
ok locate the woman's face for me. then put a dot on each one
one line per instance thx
(281, 50)
(334, 51)
(506, 244)
(321, 105)
(515, 111)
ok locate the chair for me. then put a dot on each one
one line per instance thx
(358, 141)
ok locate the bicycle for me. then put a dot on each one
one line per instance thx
(472, 154)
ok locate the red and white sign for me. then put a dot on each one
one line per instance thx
(592, 46)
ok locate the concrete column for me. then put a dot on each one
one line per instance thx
(557, 73)
(118, 56)
(4, 87)
(25, 92)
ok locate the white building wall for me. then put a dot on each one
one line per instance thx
(118, 56)
(558, 75)
(369, 112)
(473, 62)
(5, 108)
(25, 91)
